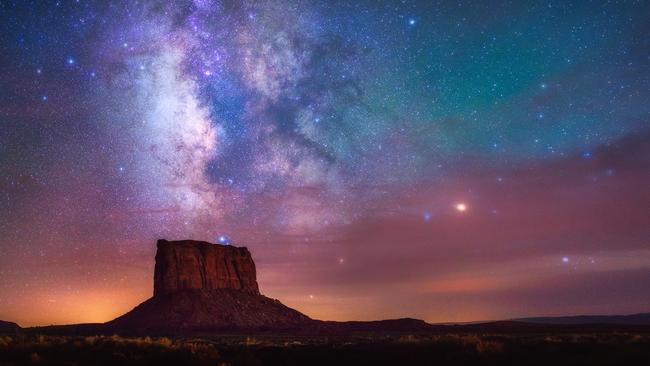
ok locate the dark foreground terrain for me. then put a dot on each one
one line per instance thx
(460, 348)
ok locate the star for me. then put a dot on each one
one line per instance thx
(461, 207)
(427, 216)
(222, 239)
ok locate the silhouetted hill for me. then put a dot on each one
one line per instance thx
(633, 319)
(389, 325)
(8, 327)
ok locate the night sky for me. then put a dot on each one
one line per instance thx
(449, 161)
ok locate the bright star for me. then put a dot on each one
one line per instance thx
(427, 216)
(461, 207)
(565, 259)
(412, 21)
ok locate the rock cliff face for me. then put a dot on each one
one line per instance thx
(194, 265)
(203, 287)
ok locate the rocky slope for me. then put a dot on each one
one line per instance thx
(210, 310)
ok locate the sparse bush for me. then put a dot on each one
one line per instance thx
(34, 358)
(489, 347)
(251, 341)
(637, 338)
(41, 339)
(409, 338)
(165, 342)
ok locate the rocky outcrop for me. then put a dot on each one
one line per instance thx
(195, 265)
(204, 287)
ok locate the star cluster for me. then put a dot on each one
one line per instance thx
(481, 160)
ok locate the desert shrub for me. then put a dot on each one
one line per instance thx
(489, 347)
(165, 342)
(468, 340)
(638, 338)
(251, 341)
(201, 350)
(34, 358)
(408, 338)
(116, 338)
(143, 341)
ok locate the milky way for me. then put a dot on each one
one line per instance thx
(439, 160)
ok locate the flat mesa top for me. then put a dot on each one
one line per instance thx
(195, 243)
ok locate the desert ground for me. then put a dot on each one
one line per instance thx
(462, 348)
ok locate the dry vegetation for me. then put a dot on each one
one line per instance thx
(369, 349)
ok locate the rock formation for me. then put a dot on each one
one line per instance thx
(204, 287)
(194, 265)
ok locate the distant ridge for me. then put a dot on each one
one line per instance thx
(632, 319)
